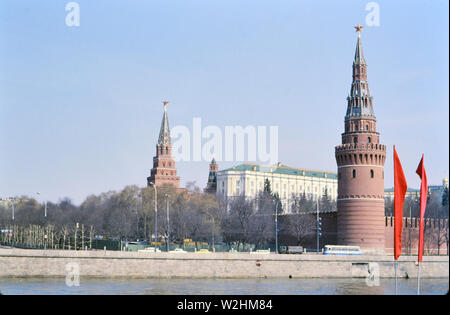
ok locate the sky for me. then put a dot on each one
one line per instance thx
(80, 106)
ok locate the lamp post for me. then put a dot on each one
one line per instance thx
(45, 222)
(156, 215)
(212, 230)
(12, 206)
(10, 201)
(168, 226)
(276, 227)
(319, 225)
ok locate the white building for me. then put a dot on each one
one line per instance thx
(248, 180)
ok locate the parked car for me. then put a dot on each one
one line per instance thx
(203, 251)
(149, 250)
(341, 250)
(178, 250)
(295, 250)
(261, 251)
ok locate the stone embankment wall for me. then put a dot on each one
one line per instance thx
(111, 264)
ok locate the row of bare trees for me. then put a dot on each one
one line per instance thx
(127, 214)
(130, 213)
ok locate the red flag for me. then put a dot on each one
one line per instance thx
(400, 187)
(423, 203)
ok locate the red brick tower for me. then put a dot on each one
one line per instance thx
(164, 171)
(211, 186)
(360, 160)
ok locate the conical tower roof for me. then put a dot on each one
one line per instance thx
(359, 54)
(164, 132)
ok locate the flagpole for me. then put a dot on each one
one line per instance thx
(396, 265)
(423, 204)
(400, 188)
(418, 281)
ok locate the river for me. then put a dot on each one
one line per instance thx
(219, 286)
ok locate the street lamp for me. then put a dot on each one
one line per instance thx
(319, 225)
(156, 215)
(276, 227)
(45, 222)
(212, 230)
(168, 226)
(10, 201)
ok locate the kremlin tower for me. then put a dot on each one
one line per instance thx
(360, 161)
(211, 186)
(164, 171)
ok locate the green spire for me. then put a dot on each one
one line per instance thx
(359, 55)
(164, 133)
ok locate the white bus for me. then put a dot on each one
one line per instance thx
(341, 250)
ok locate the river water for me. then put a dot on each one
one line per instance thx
(220, 286)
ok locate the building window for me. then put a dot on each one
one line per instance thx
(354, 173)
(369, 140)
(355, 139)
(367, 127)
(371, 174)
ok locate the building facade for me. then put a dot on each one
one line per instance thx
(360, 162)
(248, 180)
(436, 190)
(164, 171)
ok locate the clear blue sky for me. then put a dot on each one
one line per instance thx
(80, 107)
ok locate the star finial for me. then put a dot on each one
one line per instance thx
(165, 104)
(358, 28)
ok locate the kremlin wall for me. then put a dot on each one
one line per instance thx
(435, 235)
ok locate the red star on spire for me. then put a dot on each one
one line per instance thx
(358, 27)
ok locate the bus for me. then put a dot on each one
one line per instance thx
(341, 250)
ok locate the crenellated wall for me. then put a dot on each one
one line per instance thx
(436, 235)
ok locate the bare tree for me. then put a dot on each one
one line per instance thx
(301, 222)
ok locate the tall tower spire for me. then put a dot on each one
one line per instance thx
(164, 132)
(360, 161)
(164, 171)
(359, 55)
